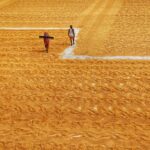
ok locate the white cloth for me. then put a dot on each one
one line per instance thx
(71, 33)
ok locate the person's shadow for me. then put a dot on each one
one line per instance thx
(38, 51)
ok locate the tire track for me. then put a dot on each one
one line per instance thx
(88, 14)
(98, 26)
(5, 3)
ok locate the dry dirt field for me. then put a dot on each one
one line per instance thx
(47, 103)
(119, 27)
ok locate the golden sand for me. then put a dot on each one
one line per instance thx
(51, 104)
(116, 27)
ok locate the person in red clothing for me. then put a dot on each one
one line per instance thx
(46, 38)
(46, 41)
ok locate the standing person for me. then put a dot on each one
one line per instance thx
(71, 34)
(46, 41)
(46, 38)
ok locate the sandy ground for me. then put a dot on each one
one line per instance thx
(52, 104)
(28, 42)
(116, 27)
(4, 3)
(48, 13)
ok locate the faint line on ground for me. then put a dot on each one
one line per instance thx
(69, 52)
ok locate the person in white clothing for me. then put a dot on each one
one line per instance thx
(71, 34)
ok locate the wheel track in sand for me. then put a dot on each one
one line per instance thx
(91, 10)
(97, 18)
(4, 3)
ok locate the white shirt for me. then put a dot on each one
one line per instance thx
(71, 33)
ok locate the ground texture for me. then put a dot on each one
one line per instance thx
(51, 104)
(117, 28)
